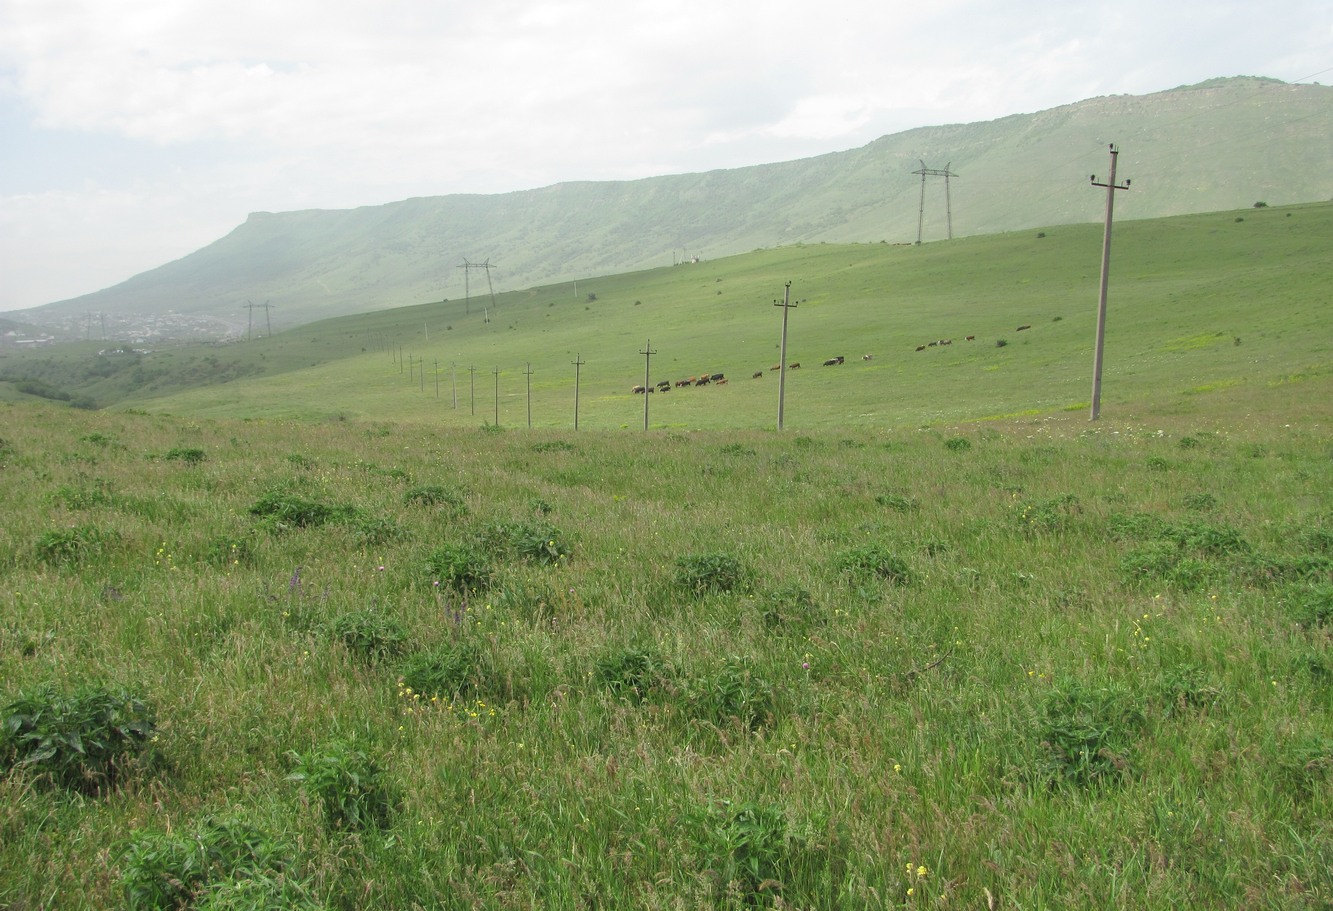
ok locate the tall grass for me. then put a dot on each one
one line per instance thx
(1066, 665)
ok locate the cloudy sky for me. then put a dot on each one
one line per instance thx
(133, 132)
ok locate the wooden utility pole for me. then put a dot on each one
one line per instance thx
(578, 362)
(1111, 187)
(647, 352)
(786, 306)
(527, 372)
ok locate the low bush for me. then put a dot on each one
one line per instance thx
(1089, 733)
(348, 784)
(73, 545)
(710, 573)
(873, 561)
(461, 567)
(449, 672)
(84, 741)
(632, 674)
(369, 635)
(165, 871)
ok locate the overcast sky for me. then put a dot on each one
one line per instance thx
(133, 132)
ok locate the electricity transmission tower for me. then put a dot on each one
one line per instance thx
(948, 208)
(252, 307)
(467, 268)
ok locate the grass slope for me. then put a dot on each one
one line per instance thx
(1218, 145)
(1026, 664)
(1226, 301)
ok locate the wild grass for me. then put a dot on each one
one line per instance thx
(1066, 665)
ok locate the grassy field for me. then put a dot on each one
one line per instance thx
(1227, 303)
(1026, 662)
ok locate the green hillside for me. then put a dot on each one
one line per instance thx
(1200, 305)
(1222, 144)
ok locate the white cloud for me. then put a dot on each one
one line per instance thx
(251, 104)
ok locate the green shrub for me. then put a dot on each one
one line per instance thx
(164, 871)
(873, 560)
(707, 573)
(1166, 563)
(790, 608)
(1089, 732)
(83, 496)
(735, 694)
(281, 509)
(958, 444)
(1050, 515)
(230, 550)
(461, 567)
(457, 669)
(1200, 502)
(73, 545)
(85, 740)
(369, 635)
(898, 502)
(374, 531)
(348, 783)
(632, 674)
(189, 454)
(436, 495)
(1305, 765)
(1312, 606)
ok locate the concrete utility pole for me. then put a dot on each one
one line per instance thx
(472, 375)
(647, 352)
(786, 306)
(1111, 187)
(453, 377)
(496, 371)
(527, 372)
(578, 362)
(948, 207)
(437, 377)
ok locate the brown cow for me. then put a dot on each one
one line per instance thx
(795, 366)
(638, 390)
(757, 375)
(1021, 328)
(689, 382)
(970, 337)
(776, 367)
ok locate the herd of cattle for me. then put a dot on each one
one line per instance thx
(719, 379)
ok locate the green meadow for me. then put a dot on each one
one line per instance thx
(316, 639)
(1200, 305)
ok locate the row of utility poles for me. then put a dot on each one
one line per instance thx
(418, 366)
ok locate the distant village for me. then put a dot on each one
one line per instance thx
(132, 329)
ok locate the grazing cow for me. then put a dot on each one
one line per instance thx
(867, 357)
(970, 337)
(689, 382)
(1021, 328)
(717, 376)
(833, 361)
(776, 367)
(946, 341)
(701, 381)
(757, 375)
(664, 384)
(795, 366)
(920, 347)
(721, 382)
(932, 344)
(638, 390)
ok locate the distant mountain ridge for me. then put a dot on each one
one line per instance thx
(1222, 144)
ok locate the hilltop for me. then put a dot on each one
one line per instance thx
(1225, 143)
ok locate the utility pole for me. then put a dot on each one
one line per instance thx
(948, 207)
(472, 374)
(578, 362)
(496, 371)
(1111, 187)
(250, 321)
(647, 352)
(411, 361)
(453, 377)
(786, 306)
(437, 377)
(527, 371)
(422, 364)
